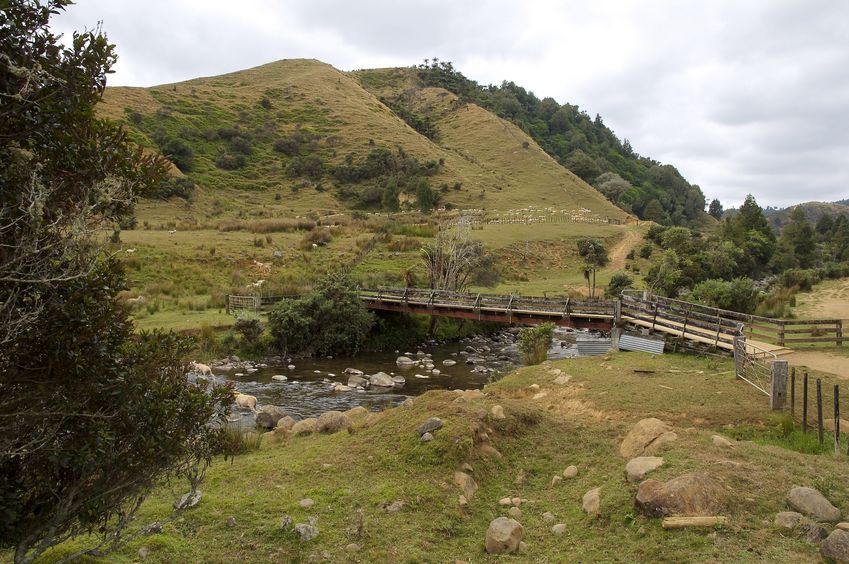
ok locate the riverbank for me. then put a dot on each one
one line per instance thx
(379, 493)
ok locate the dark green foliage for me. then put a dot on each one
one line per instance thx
(422, 124)
(797, 241)
(646, 251)
(265, 103)
(329, 320)
(108, 416)
(535, 341)
(93, 415)
(310, 166)
(179, 153)
(595, 256)
(715, 209)
(250, 328)
(738, 294)
(242, 145)
(618, 282)
(580, 142)
(180, 187)
(426, 197)
(228, 161)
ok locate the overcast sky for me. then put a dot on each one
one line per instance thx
(741, 96)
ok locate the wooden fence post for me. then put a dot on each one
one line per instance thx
(778, 391)
(781, 333)
(739, 355)
(819, 413)
(839, 331)
(805, 403)
(793, 392)
(836, 419)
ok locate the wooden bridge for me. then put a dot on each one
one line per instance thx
(684, 320)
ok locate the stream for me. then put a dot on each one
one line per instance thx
(313, 385)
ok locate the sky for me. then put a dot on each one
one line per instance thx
(743, 97)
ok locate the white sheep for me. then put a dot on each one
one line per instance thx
(136, 300)
(172, 231)
(129, 251)
(202, 368)
(244, 401)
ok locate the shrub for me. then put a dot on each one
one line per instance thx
(250, 328)
(328, 320)
(310, 166)
(179, 187)
(318, 237)
(241, 145)
(804, 279)
(646, 251)
(618, 282)
(535, 341)
(737, 295)
(226, 161)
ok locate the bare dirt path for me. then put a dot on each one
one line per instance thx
(829, 300)
(617, 254)
(821, 360)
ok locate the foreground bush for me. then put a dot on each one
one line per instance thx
(330, 320)
(535, 341)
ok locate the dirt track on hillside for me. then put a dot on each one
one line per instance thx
(823, 361)
(617, 255)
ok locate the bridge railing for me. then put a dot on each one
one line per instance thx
(701, 323)
(491, 302)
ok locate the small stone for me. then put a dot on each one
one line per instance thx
(291, 367)
(787, 519)
(466, 467)
(466, 483)
(489, 450)
(811, 532)
(353, 547)
(285, 522)
(721, 441)
(306, 503)
(463, 502)
(591, 503)
(515, 513)
(517, 501)
(426, 438)
(562, 380)
(394, 507)
(523, 547)
(556, 480)
(558, 529)
(188, 500)
(407, 403)
(307, 531)
(539, 395)
(144, 552)
(570, 472)
(637, 468)
(497, 412)
(430, 425)
(534, 387)
(842, 526)
(548, 517)
(505, 502)
(154, 528)
(231, 522)
(279, 378)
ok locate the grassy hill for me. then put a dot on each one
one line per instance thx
(234, 136)
(779, 217)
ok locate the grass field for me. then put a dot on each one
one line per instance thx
(351, 477)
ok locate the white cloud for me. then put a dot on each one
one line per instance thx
(740, 97)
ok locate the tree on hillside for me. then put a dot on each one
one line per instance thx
(453, 258)
(595, 256)
(91, 415)
(715, 209)
(798, 237)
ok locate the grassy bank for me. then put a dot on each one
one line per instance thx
(351, 477)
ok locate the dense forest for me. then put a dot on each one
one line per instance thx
(747, 265)
(584, 145)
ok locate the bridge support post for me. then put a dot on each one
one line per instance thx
(778, 391)
(615, 332)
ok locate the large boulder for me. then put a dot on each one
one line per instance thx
(355, 380)
(269, 415)
(646, 438)
(812, 503)
(381, 380)
(305, 426)
(637, 468)
(836, 546)
(694, 494)
(787, 520)
(332, 422)
(591, 502)
(285, 424)
(503, 536)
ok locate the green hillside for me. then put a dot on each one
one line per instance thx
(296, 135)
(638, 184)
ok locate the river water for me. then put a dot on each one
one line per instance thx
(309, 391)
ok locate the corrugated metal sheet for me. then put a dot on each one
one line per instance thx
(588, 346)
(629, 342)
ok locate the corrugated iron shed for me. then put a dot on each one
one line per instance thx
(632, 342)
